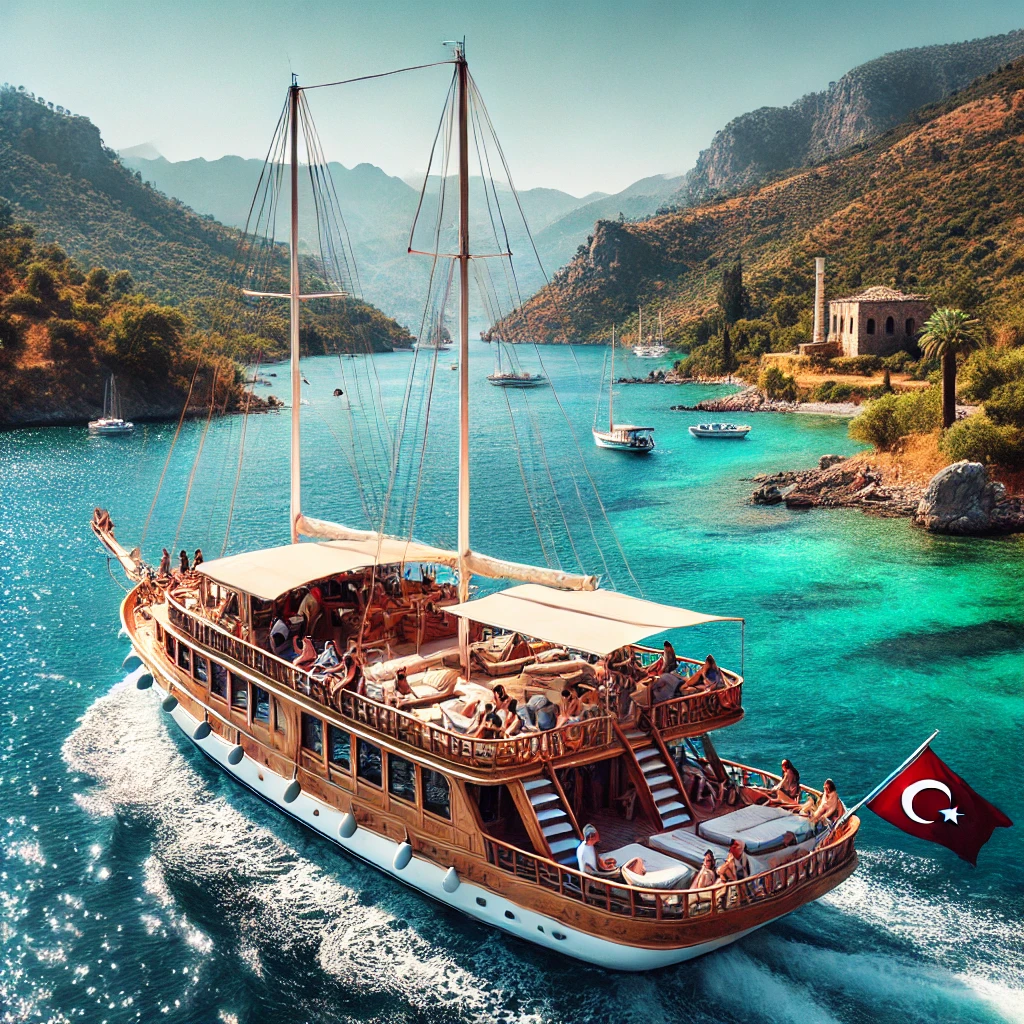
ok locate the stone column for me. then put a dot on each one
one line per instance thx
(819, 301)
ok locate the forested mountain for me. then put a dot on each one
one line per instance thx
(378, 211)
(865, 102)
(934, 204)
(61, 179)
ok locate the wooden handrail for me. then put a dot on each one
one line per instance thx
(678, 904)
(590, 734)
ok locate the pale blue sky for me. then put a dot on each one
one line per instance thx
(586, 95)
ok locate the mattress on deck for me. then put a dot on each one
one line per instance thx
(662, 872)
(687, 846)
(759, 828)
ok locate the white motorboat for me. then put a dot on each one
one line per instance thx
(622, 437)
(723, 430)
(111, 422)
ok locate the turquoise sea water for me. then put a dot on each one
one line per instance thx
(139, 884)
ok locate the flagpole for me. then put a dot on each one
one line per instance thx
(892, 775)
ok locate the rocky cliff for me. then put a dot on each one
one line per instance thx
(864, 103)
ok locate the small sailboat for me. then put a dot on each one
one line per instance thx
(513, 377)
(721, 430)
(652, 349)
(623, 437)
(438, 337)
(111, 421)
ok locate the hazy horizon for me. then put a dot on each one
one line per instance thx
(583, 99)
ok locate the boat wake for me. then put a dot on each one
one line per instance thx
(232, 879)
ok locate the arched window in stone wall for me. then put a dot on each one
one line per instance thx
(833, 322)
(851, 325)
(911, 327)
(871, 325)
(890, 325)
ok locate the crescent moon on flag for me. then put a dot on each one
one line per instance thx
(916, 787)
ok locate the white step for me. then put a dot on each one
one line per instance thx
(558, 828)
(658, 780)
(676, 819)
(543, 798)
(643, 755)
(550, 812)
(534, 783)
(666, 789)
(669, 806)
(561, 845)
(635, 734)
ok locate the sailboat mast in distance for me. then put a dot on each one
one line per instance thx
(611, 385)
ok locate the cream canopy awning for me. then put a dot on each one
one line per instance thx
(596, 621)
(269, 573)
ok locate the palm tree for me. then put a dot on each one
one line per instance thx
(948, 332)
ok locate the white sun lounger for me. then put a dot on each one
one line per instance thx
(760, 828)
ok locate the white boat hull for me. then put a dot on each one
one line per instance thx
(615, 444)
(736, 434)
(514, 382)
(426, 877)
(107, 429)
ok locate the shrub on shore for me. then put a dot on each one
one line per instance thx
(978, 439)
(777, 385)
(886, 420)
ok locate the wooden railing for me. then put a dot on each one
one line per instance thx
(677, 904)
(691, 708)
(590, 734)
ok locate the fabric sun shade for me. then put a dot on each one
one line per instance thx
(269, 573)
(596, 621)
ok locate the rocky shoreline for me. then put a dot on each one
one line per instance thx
(672, 376)
(752, 399)
(960, 499)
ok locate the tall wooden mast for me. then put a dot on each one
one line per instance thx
(611, 387)
(463, 538)
(295, 504)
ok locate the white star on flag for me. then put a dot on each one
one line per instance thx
(951, 814)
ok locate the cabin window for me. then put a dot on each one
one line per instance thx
(280, 720)
(401, 778)
(339, 747)
(312, 734)
(911, 327)
(218, 680)
(184, 658)
(871, 325)
(436, 793)
(890, 325)
(239, 692)
(200, 668)
(260, 705)
(169, 643)
(369, 767)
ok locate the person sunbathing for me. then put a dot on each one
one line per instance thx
(513, 724)
(786, 793)
(306, 654)
(668, 662)
(829, 808)
(487, 726)
(737, 865)
(402, 687)
(707, 875)
(708, 677)
(501, 697)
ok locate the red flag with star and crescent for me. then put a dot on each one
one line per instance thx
(929, 800)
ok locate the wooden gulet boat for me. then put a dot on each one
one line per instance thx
(488, 825)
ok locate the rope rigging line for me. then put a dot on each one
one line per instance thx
(195, 461)
(241, 456)
(381, 74)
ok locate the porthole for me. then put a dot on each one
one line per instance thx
(540, 927)
(316, 813)
(510, 915)
(481, 902)
(558, 935)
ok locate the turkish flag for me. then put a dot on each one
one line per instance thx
(929, 800)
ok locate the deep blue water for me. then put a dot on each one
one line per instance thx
(139, 884)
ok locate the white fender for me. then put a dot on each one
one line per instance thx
(451, 880)
(348, 826)
(293, 790)
(202, 731)
(402, 856)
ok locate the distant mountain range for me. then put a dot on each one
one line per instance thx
(933, 204)
(752, 148)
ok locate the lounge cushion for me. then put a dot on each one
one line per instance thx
(687, 846)
(665, 878)
(760, 828)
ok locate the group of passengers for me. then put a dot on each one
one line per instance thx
(183, 567)
(665, 680)
(788, 794)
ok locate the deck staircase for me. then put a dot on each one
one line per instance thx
(659, 778)
(553, 819)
